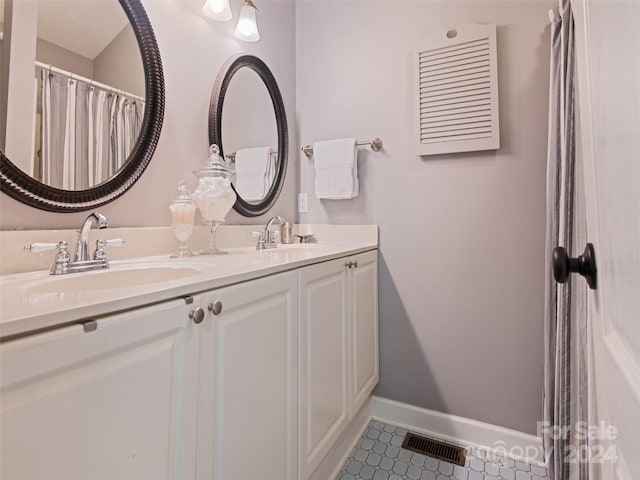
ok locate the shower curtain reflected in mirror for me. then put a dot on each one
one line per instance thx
(87, 133)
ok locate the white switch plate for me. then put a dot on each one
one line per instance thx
(303, 203)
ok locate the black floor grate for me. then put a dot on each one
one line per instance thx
(434, 448)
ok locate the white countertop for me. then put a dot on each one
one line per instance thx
(26, 306)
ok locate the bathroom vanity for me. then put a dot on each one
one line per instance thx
(251, 367)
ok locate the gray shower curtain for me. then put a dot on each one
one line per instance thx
(87, 133)
(566, 340)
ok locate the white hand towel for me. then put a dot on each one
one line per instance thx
(252, 166)
(271, 172)
(336, 168)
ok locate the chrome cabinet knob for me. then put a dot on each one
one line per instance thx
(197, 315)
(215, 308)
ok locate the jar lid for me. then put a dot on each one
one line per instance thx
(214, 165)
(183, 195)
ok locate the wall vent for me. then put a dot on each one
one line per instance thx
(433, 448)
(456, 91)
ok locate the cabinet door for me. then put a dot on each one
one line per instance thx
(118, 402)
(364, 327)
(248, 379)
(324, 394)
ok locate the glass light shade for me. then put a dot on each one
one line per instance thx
(217, 9)
(247, 27)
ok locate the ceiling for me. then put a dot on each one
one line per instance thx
(84, 27)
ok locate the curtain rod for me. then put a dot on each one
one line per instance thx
(74, 76)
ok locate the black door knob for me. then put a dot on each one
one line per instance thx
(585, 265)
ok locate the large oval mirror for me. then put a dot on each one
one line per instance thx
(247, 121)
(81, 101)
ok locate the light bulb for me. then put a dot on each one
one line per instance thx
(217, 9)
(247, 27)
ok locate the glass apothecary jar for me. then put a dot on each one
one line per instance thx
(182, 210)
(214, 195)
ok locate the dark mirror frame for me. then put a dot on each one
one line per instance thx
(215, 126)
(19, 185)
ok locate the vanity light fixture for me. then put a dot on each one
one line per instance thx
(217, 9)
(247, 27)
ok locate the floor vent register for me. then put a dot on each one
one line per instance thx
(434, 448)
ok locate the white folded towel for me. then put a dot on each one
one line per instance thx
(271, 171)
(253, 172)
(336, 168)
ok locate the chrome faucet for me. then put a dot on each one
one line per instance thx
(82, 248)
(266, 239)
(81, 259)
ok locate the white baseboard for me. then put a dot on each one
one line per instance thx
(459, 430)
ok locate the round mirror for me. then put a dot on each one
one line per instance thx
(92, 73)
(247, 121)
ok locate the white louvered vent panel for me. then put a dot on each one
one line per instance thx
(456, 92)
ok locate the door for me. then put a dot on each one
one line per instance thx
(248, 379)
(115, 402)
(324, 371)
(363, 287)
(608, 68)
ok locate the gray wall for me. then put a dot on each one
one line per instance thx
(120, 64)
(193, 48)
(462, 235)
(18, 140)
(52, 54)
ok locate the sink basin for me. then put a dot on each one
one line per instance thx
(121, 276)
(302, 248)
(296, 251)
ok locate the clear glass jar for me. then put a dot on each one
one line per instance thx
(182, 212)
(214, 195)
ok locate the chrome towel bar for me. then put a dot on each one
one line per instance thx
(232, 156)
(375, 144)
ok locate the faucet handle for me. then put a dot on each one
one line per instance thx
(100, 244)
(61, 263)
(272, 234)
(260, 237)
(39, 247)
(113, 242)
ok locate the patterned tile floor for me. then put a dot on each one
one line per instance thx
(378, 455)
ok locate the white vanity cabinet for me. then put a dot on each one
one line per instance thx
(338, 322)
(324, 361)
(111, 403)
(247, 426)
(254, 380)
(363, 301)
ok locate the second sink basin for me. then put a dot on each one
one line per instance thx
(121, 276)
(302, 247)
